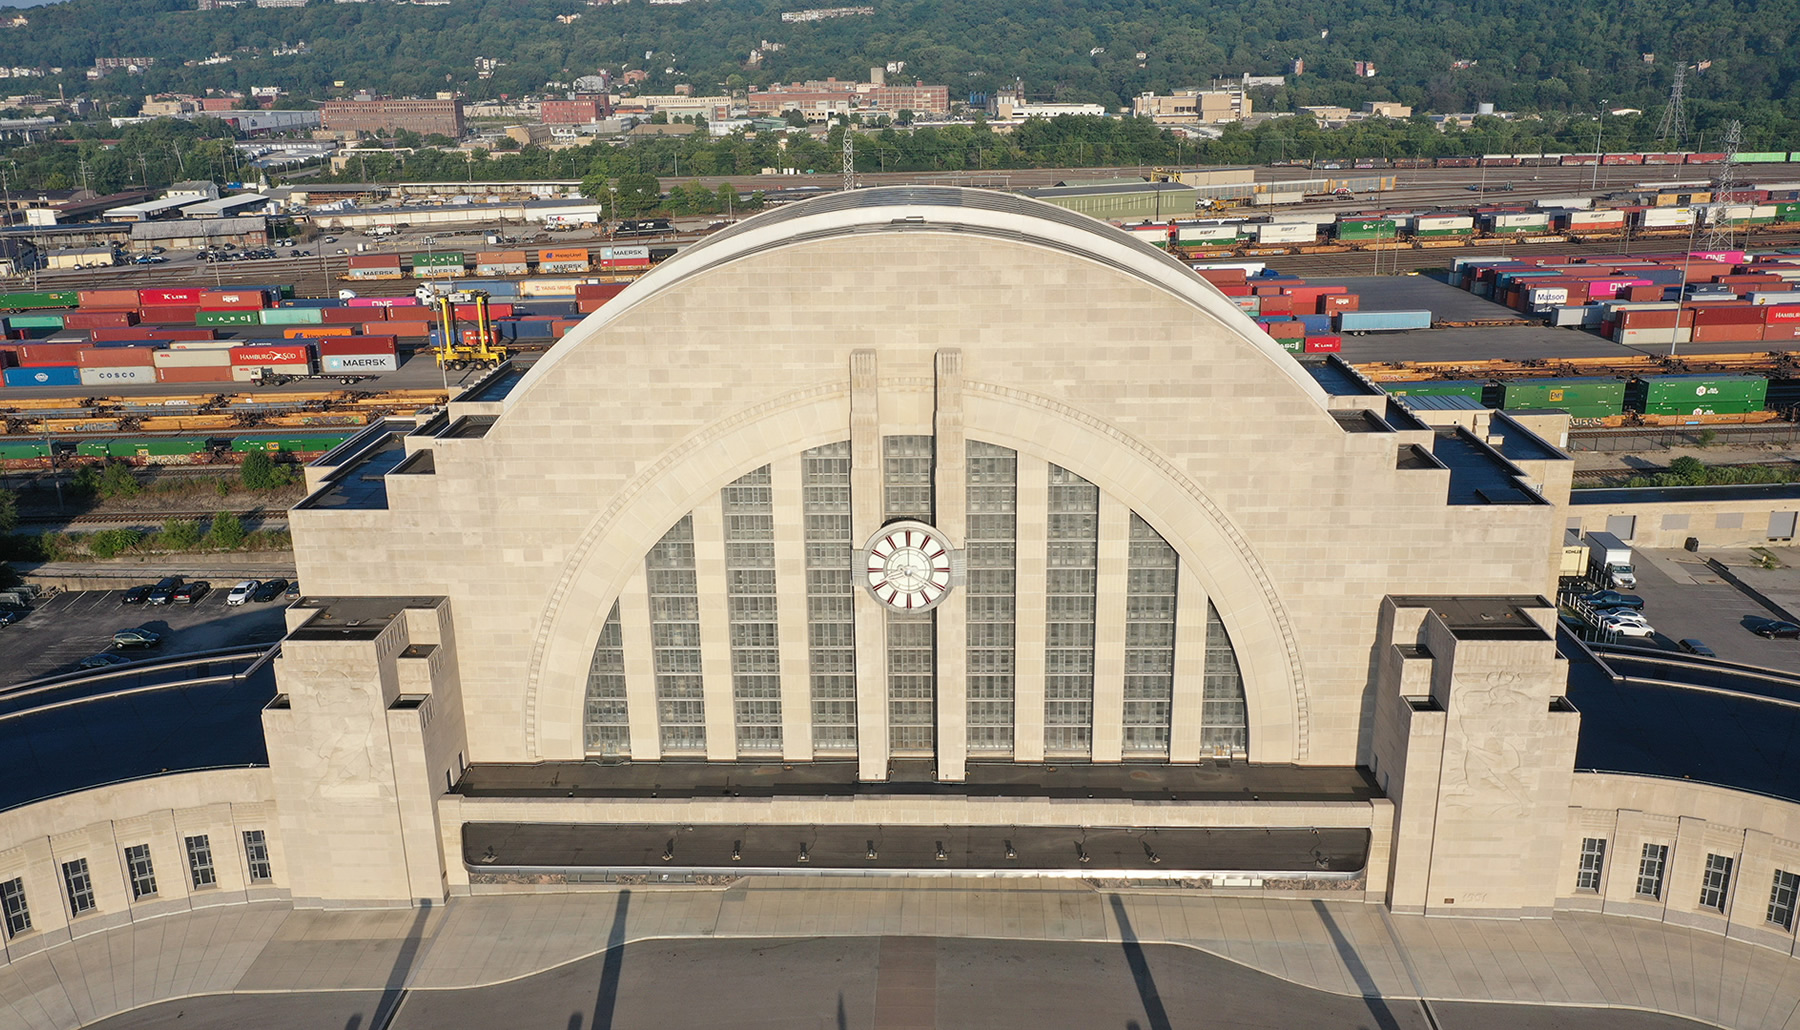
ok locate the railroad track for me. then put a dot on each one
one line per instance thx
(262, 516)
(1624, 473)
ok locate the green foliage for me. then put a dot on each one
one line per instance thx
(261, 472)
(226, 532)
(179, 535)
(110, 543)
(1690, 471)
(9, 511)
(1707, 437)
(116, 482)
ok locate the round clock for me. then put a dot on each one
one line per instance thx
(909, 566)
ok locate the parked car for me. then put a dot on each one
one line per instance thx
(1614, 599)
(293, 591)
(191, 593)
(1776, 629)
(136, 595)
(103, 660)
(242, 592)
(164, 590)
(1693, 646)
(8, 616)
(271, 589)
(1626, 623)
(139, 637)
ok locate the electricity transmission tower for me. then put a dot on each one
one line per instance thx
(1718, 227)
(849, 159)
(1674, 125)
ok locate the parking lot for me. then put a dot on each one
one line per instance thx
(65, 628)
(1683, 597)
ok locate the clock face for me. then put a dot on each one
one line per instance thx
(908, 566)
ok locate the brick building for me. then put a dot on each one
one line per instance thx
(576, 109)
(443, 115)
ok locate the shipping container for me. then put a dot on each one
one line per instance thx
(438, 266)
(1285, 232)
(624, 257)
(50, 353)
(43, 375)
(228, 318)
(562, 261)
(1359, 322)
(191, 358)
(112, 300)
(29, 301)
(308, 332)
(345, 316)
(1581, 396)
(293, 316)
(118, 375)
(183, 296)
(193, 373)
(358, 345)
(170, 314)
(99, 319)
(271, 354)
(34, 321)
(233, 300)
(1324, 344)
(110, 357)
(1470, 388)
(1698, 394)
(252, 373)
(361, 364)
(501, 262)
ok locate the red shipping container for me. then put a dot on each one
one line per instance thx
(1782, 314)
(373, 327)
(271, 354)
(340, 316)
(409, 329)
(1736, 314)
(1266, 291)
(186, 296)
(170, 314)
(1324, 344)
(607, 291)
(1242, 290)
(193, 374)
(233, 300)
(50, 353)
(1339, 302)
(99, 319)
(114, 357)
(466, 312)
(561, 326)
(1729, 333)
(1285, 330)
(307, 332)
(359, 345)
(1216, 276)
(109, 299)
(589, 306)
(1781, 331)
(1651, 292)
(407, 313)
(1277, 305)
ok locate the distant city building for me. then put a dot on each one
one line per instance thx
(1385, 109)
(822, 13)
(677, 106)
(575, 109)
(442, 115)
(1013, 107)
(1194, 106)
(1365, 69)
(820, 101)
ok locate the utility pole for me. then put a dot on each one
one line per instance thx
(849, 159)
(1599, 127)
(1718, 229)
(1673, 124)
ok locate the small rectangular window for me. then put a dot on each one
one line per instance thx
(1715, 885)
(1593, 860)
(1650, 870)
(256, 852)
(141, 871)
(1781, 898)
(12, 903)
(80, 887)
(200, 861)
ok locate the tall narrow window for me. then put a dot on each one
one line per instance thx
(675, 640)
(1223, 728)
(608, 725)
(1593, 862)
(1149, 640)
(1650, 870)
(140, 870)
(912, 639)
(830, 605)
(1070, 582)
(1715, 883)
(992, 557)
(12, 903)
(200, 860)
(750, 606)
(256, 854)
(1781, 898)
(80, 887)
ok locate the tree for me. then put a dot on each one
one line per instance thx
(9, 511)
(180, 535)
(226, 532)
(116, 481)
(905, 117)
(110, 543)
(262, 472)
(795, 119)
(638, 195)
(1689, 469)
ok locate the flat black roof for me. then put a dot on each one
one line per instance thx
(1155, 852)
(1639, 495)
(113, 739)
(1483, 617)
(353, 618)
(1729, 739)
(362, 484)
(1476, 475)
(1208, 781)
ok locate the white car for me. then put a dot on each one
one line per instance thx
(1628, 624)
(242, 591)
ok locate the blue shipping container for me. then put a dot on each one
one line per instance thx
(1384, 321)
(44, 375)
(1315, 323)
(311, 302)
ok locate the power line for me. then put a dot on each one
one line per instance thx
(1718, 227)
(1674, 122)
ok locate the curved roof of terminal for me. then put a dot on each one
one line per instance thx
(926, 209)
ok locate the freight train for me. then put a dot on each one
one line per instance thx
(1685, 157)
(22, 455)
(1681, 399)
(608, 263)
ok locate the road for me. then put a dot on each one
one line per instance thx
(69, 626)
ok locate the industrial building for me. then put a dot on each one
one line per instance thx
(575, 109)
(923, 532)
(200, 233)
(442, 115)
(1194, 106)
(1116, 201)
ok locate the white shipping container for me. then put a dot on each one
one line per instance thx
(359, 363)
(1730, 212)
(117, 375)
(1772, 297)
(1429, 222)
(204, 344)
(624, 253)
(1522, 221)
(1267, 199)
(1570, 203)
(190, 358)
(1286, 232)
(246, 373)
(1577, 218)
(1668, 217)
(1544, 296)
(1683, 335)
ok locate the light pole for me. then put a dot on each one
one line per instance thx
(1599, 126)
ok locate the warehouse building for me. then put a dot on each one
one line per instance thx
(1118, 201)
(933, 532)
(365, 116)
(200, 233)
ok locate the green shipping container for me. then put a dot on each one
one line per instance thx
(1463, 231)
(1788, 212)
(157, 446)
(1699, 395)
(1295, 346)
(1764, 157)
(53, 299)
(1474, 389)
(34, 321)
(293, 316)
(1581, 397)
(21, 450)
(226, 318)
(94, 448)
(292, 444)
(444, 260)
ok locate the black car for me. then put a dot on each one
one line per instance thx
(164, 590)
(136, 595)
(1775, 629)
(191, 593)
(270, 590)
(8, 616)
(293, 591)
(1693, 646)
(1614, 599)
